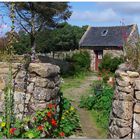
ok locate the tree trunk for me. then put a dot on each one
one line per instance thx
(33, 47)
(32, 37)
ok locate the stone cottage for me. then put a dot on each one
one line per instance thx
(102, 40)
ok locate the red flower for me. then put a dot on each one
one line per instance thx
(53, 122)
(12, 130)
(62, 134)
(40, 128)
(49, 114)
(50, 105)
(55, 105)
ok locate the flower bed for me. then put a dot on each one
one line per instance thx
(44, 124)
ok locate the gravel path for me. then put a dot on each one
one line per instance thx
(74, 94)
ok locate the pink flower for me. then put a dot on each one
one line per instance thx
(99, 78)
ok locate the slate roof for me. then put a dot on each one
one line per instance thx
(93, 36)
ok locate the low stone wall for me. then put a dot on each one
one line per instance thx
(125, 114)
(42, 81)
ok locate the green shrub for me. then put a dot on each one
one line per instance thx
(87, 102)
(105, 74)
(115, 62)
(80, 63)
(101, 103)
(81, 60)
(110, 63)
(44, 124)
(69, 119)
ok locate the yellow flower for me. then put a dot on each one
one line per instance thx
(63, 118)
(71, 108)
(67, 111)
(3, 124)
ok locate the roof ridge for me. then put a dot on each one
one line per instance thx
(113, 26)
(84, 35)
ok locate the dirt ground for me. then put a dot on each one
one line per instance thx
(89, 128)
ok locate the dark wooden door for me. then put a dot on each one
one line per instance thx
(98, 58)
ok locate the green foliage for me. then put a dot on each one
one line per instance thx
(87, 102)
(43, 124)
(110, 63)
(69, 120)
(8, 90)
(64, 37)
(9, 102)
(22, 46)
(80, 63)
(105, 74)
(44, 41)
(100, 103)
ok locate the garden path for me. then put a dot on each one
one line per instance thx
(88, 125)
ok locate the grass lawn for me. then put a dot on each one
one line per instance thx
(74, 81)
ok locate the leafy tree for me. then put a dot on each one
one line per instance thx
(64, 37)
(43, 41)
(35, 16)
(22, 46)
(67, 38)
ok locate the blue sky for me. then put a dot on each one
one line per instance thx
(105, 13)
(97, 14)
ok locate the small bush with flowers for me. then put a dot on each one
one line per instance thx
(69, 121)
(41, 124)
(44, 124)
(105, 75)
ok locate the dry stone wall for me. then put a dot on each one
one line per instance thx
(42, 81)
(125, 114)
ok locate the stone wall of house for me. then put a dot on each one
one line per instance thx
(42, 80)
(115, 53)
(125, 114)
(92, 58)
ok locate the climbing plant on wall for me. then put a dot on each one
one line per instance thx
(9, 89)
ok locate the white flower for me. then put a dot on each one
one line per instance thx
(43, 134)
(26, 127)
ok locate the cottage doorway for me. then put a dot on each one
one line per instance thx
(98, 58)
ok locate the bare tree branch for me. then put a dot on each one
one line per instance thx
(22, 16)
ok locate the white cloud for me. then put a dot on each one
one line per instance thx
(122, 7)
(107, 15)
